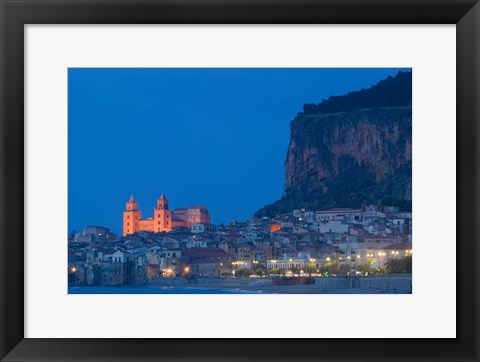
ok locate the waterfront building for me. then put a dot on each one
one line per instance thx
(287, 264)
(205, 268)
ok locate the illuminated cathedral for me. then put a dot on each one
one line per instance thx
(163, 220)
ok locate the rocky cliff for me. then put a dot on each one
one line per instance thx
(348, 158)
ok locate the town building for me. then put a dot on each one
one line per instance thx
(201, 228)
(193, 215)
(94, 233)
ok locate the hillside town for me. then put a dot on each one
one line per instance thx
(371, 240)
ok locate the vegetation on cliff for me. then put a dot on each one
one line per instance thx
(391, 92)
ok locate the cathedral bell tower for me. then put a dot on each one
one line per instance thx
(131, 217)
(162, 215)
(162, 203)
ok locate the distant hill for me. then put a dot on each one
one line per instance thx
(351, 149)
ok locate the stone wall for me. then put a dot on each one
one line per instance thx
(386, 283)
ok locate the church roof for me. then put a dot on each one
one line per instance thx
(132, 199)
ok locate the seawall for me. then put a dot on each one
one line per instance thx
(383, 283)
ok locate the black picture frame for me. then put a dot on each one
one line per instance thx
(16, 13)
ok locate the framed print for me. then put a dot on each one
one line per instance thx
(239, 180)
(215, 249)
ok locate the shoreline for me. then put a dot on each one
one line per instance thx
(367, 285)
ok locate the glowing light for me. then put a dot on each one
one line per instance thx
(168, 272)
(275, 227)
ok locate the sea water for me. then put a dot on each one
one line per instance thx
(158, 290)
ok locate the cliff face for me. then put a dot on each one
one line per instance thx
(345, 159)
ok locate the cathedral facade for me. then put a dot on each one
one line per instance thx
(163, 219)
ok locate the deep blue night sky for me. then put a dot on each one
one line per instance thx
(216, 137)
